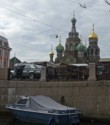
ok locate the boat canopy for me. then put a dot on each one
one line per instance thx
(45, 102)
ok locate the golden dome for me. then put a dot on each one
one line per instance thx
(51, 53)
(93, 36)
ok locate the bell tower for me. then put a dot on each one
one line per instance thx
(71, 42)
(93, 49)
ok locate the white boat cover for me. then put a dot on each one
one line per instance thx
(80, 65)
(45, 102)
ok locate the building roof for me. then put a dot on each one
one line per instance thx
(14, 60)
(4, 43)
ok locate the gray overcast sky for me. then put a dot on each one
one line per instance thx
(22, 22)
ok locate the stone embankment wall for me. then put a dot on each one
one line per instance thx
(92, 98)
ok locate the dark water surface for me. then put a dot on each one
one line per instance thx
(9, 120)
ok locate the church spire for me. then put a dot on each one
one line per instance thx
(93, 27)
(51, 54)
(73, 20)
(73, 33)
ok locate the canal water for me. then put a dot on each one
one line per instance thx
(9, 120)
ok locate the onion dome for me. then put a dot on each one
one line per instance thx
(81, 48)
(93, 35)
(73, 20)
(59, 48)
(51, 52)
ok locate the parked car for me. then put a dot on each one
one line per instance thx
(12, 71)
(27, 70)
(12, 74)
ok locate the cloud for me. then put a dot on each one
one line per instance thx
(28, 25)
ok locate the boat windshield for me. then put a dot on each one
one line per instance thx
(22, 101)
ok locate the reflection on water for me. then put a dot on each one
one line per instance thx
(11, 121)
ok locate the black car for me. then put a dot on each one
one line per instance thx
(27, 70)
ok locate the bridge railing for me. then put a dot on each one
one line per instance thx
(103, 71)
(67, 73)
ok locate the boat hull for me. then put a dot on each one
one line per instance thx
(44, 118)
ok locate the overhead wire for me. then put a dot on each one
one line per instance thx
(57, 28)
(35, 20)
(17, 9)
(32, 19)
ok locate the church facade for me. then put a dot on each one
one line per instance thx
(75, 51)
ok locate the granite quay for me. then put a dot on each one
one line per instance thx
(92, 98)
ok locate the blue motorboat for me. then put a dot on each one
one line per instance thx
(43, 110)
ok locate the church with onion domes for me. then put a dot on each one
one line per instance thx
(75, 51)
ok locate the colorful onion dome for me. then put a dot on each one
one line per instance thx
(60, 48)
(81, 47)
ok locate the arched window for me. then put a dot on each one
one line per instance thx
(71, 47)
(96, 52)
(92, 51)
